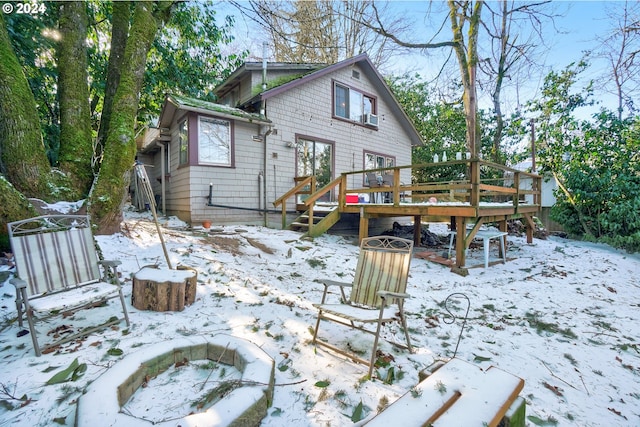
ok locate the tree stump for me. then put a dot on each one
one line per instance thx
(163, 290)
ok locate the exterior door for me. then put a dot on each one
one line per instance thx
(315, 158)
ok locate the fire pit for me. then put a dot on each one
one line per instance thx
(244, 406)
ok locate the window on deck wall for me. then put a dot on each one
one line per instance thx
(183, 142)
(352, 104)
(377, 161)
(214, 141)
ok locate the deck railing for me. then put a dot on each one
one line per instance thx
(511, 185)
(514, 185)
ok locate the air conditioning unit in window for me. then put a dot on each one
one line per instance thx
(371, 120)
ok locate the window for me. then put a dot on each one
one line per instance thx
(377, 161)
(183, 142)
(214, 141)
(352, 104)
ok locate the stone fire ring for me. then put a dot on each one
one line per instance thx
(245, 406)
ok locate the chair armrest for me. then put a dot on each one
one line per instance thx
(341, 285)
(110, 263)
(387, 294)
(18, 283)
(327, 283)
(110, 271)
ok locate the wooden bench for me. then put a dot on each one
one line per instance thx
(58, 273)
(458, 394)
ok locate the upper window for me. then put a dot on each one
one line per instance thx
(352, 104)
(183, 142)
(214, 141)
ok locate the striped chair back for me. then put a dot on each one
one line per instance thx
(383, 265)
(54, 252)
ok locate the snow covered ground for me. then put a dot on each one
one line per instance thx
(563, 315)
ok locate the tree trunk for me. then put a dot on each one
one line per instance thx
(468, 63)
(109, 191)
(76, 142)
(22, 155)
(119, 31)
(13, 207)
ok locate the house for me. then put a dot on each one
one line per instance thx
(227, 162)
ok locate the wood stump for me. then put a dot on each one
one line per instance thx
(163, 290)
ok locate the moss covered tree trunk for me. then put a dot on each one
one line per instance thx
(109, 191)
(22, 154)
(119, 31)
(76, 142)
(13, 207)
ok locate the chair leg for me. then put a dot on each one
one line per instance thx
(315, 332)
(124, 308)
(375, 341)
(19, 305)
(404, 327)
(32, 328)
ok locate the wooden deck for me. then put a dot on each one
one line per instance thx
(467, 204)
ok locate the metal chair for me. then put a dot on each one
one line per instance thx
(58, 273)
(377, 293)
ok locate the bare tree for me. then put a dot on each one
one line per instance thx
(319, 31)
(621, 50)
(515, 32)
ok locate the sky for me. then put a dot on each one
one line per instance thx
(560, 314)
(573, 32)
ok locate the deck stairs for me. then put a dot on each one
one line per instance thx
(324, 217)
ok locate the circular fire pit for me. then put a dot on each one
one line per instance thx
(245, 406)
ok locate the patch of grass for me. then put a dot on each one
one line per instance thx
(315, 263)
(549, 328)
(287, 303)
(324, 395)
(415, 392)
(550, 421)
(382, 403)
(571, 359)
(604, 325)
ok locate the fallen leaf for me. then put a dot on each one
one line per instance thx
(556, 390)
(618, 413)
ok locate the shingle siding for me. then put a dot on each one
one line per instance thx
(304, 110)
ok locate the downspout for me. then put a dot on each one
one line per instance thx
(263, 112)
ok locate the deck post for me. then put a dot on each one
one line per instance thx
(504, 227)
(417, 229)
(284, 214)
(461, 231)
(530, 228)
(364, 226)
(475, 182)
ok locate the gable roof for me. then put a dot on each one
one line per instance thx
(173, 102)
(248, 67)
(371, 72)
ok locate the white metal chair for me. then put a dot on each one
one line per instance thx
(58, 272)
